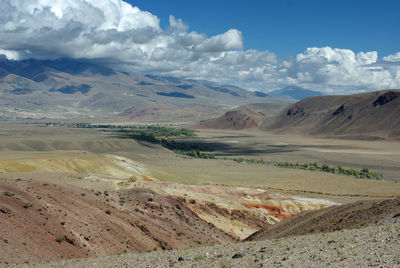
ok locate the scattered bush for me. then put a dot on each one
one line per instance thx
(363, 173)
(195, 154)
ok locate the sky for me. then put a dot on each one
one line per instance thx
(336, 47)
(288, 27)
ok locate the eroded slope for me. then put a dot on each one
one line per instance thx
(113, 205)
(348, 216)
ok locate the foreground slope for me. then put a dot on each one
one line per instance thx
(376, 245)
(361, 115)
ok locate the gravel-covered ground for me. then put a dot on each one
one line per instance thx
(376, 246)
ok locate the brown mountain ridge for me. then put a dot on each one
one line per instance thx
(368, 115)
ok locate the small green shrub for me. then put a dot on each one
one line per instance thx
(60, 238)
(28, 205)
(132, 179)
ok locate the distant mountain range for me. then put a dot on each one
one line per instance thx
(66, 88)
(295, 92)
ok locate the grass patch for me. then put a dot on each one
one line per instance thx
(198, 258)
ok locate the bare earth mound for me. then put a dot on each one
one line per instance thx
(368, 115)
(348, 216)
(247, 116)
(236, 119)
(47, 222)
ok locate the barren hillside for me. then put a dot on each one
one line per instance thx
(247, 116)
(349, 216)
(367, 115)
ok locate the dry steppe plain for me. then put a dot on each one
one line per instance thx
(25, 141)
(78, 163)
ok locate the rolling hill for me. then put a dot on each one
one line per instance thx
(247, 116)
(366, 115)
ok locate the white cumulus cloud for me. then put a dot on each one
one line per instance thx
(393, 58)
(339, 70)
(129, 38)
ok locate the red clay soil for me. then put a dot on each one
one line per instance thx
(48, 222)
(271, 210)
(349, 216)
